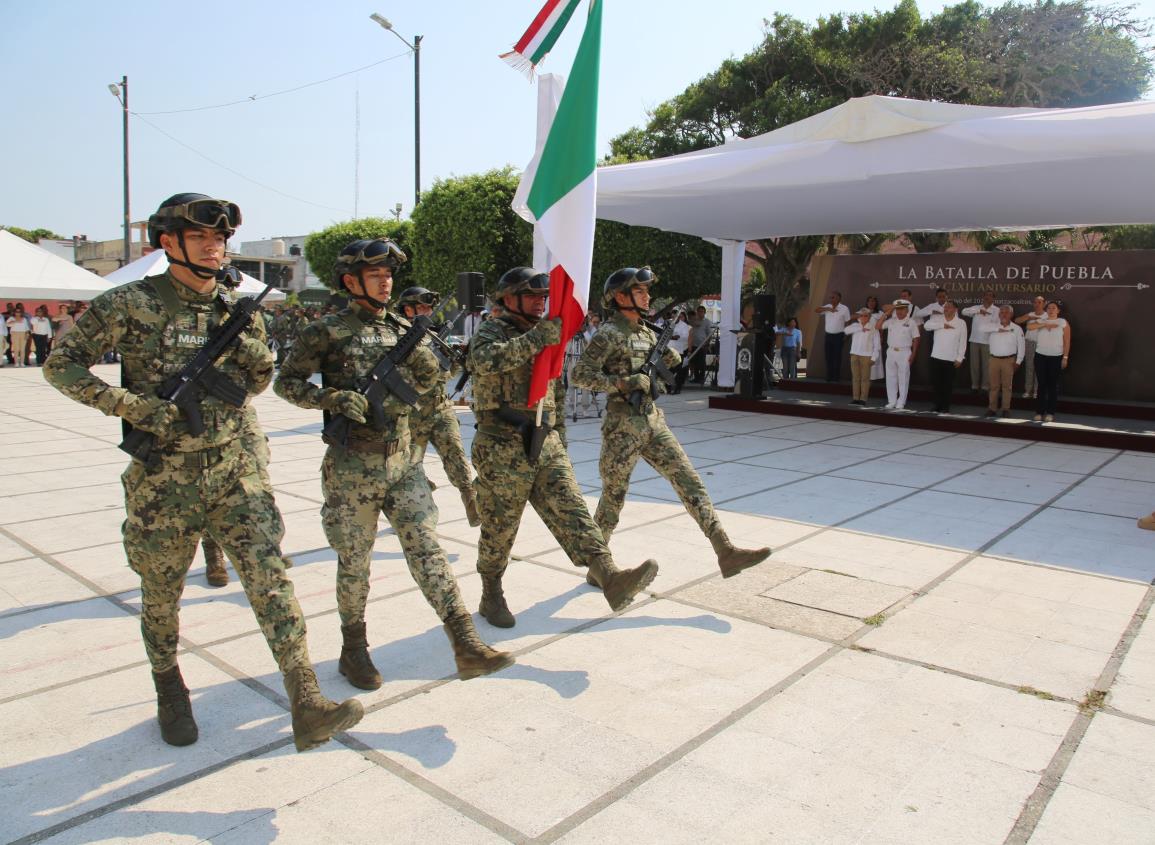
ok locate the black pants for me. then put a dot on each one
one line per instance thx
(41, 342)
(834, 355)
(942, 381)
(1048, 368)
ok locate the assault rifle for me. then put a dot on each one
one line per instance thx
(200, 377)
(653, 365)
(382, 379)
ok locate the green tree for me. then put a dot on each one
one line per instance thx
(1041, 54)
(322, 248)
(467, 223)
(33, 235)
(1127, 237)
(686, 265)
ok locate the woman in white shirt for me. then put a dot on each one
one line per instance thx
(878, 368)
(1052, 349)
(41, 334)
(18, 336)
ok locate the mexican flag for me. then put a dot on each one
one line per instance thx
(538, 40)
(562, 199)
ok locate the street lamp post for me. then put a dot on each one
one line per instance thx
(416, 48)
(121, 93)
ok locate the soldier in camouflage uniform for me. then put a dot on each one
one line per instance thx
(194, 484)
(434, 418)
(501, 356)
(610, 365)
(376, 474)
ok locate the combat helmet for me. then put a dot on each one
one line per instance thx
(518, 282)
(624, 280)
(362, 253)
(415, 296)
(192, 211)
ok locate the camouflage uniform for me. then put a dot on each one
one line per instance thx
(376, 474)
(616, 352)
(208, 483)
(501, 356)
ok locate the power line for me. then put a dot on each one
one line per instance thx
(211, 160)
(255, 97)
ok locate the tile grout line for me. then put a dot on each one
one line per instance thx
(1034, 807)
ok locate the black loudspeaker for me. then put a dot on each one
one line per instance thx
(471, 291)
(764, 311)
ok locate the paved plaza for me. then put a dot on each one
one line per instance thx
(948, 645)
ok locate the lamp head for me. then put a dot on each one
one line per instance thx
(380, 20)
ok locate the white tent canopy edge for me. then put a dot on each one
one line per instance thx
(882, 164)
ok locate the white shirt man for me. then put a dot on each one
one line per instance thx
(865, 349)
(948, 351)
(935, 309)
(984, 318)
(835, 317)
(1007, 348)
(902, 340)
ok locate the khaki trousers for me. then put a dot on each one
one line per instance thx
(860, 375)
(1002, 373)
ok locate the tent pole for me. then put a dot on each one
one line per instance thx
(733, 261)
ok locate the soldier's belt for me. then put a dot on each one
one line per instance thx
(507, 418)
(373, 447)
(203, 458)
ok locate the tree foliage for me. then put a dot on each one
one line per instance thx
(1128, 237)
(686, 265)
(1046, 53)
(33, 235)
(322, 248)
(466, 223)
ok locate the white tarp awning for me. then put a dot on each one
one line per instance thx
(31, 272)
(883, 164)
(156, 262)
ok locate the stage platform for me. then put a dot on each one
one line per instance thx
(1079, 422)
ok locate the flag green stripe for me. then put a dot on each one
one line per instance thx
(570, 150)
(554, 33)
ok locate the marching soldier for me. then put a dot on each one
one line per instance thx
(501, 356)
(434, 418)
(193, 484)
(374, 473)
(610, 364)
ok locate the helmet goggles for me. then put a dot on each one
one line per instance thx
(209, 213)
(426, 298)
(378, 251)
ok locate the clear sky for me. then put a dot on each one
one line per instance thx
(290, 158)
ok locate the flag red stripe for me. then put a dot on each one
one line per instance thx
(550, 360)
(538, 21)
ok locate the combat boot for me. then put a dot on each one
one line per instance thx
(316, 718)
(621, 585)
(733, 560)
(469, 499)
(355, 663)
(473, 656)
(216, 572)
(493, 606)
(173, 708)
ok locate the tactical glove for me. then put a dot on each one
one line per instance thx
(637, 381)
(546, 332)
(150, 413)
(348, 403)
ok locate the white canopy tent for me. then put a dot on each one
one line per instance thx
(882, 164)
(31, 272)
(156, 262)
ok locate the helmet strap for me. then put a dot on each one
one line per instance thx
(633, 306)
(198, 270)
(518, 311)
(364, 296)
